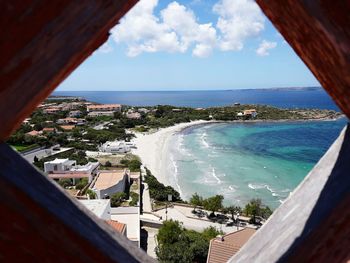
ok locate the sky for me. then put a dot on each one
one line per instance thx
(192, 45)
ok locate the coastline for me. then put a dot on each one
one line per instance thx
(153, 147)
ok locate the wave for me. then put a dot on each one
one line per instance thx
(213, 173)
(203, 141)
(176, 174)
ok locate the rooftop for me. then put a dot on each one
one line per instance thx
(107, 179)
(221, 249)
(97, 206)
(119, 227)
(98, 106)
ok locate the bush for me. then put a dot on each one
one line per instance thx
(81, 184)
(65, 182)
(108, 164)
(134, 165)
(91, 194)
(177, 244)
(117, 199)
(134, 199)
(159, 191)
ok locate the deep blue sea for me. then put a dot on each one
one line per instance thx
(239, 160)
(316, 98)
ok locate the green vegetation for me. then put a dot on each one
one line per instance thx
(81, 184)
(132, 162)
(23, 148)
(65, 182)
(255, 209)
(117, 199)
(177, 244)
(213, 203)
(91, 194)
(134, 199)
(159, 191)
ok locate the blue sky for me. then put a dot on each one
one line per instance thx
(192, 45)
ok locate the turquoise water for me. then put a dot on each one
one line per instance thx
(245, 161)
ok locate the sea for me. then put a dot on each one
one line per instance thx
(239, 160)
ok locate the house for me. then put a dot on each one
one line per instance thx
(65, 168)
(143, 110)
(67, 127)
(117, 226)
(251, 113)
(52, 110)
(115, 147)
(239, 114)
(100, 113)
(133, 115)
(110, 182)
(68, 120)
(101, 208)
(222, 248)
(49, 130)
(75, 113)
(104, 107)
(34, 133)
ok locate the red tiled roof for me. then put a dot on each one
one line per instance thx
(221, 251)
(67, 127)
(119, 227)
(33, 133)
(68, 175)
(49, 129)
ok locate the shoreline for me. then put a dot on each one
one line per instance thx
(152, 147)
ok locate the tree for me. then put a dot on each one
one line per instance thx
(233, 210)
(117, 199)
(108, 164)
(81, 184)
(196, 200)
(255, 208)
(177, 244)
(65, 182)
(91, 194)
(213, 203)
(134, 165)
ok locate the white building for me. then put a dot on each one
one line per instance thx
(115, 147)
(59, 165)
(65, 168)
(104, 107)
(110, 182)
(100, 113)
(101, 208)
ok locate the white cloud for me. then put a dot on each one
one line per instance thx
(264, 47)
(238, 20)
(105, 48)
(176, 29)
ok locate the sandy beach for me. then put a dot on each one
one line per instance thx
(152, 148)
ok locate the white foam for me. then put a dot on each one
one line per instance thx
(214, 175)
(176, 174)
(203, 141)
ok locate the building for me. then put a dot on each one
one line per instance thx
(75, 113)
(67, 127)
(65, 168)
(110, 182)
(117, 226)
(251, 113)
(115, 147)
(49, 130)
(143, 110)
(101, 208)
(133, 115)
(104, 107)
(34, 133)
(222, 248)
(100, 113)
(52, 110)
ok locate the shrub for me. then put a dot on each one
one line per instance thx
(117, 199)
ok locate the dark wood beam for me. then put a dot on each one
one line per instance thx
(319, 33)
(42, 43)
(41, 223)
